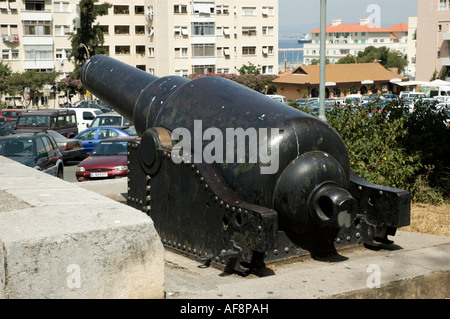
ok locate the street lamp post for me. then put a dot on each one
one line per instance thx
(323, 8)
(88, 57)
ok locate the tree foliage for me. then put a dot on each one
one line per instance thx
(89, 36)
(383, 55)
(250, 69)
(5, 72)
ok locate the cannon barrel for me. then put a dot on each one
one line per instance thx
(265, 174)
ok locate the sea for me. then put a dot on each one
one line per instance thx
(289, 57)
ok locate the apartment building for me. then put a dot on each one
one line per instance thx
(433, 39)
(161, 37)
(348, 39)
(206, 36)
(35, 33)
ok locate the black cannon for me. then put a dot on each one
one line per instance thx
(236, 179)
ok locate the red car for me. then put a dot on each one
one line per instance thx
(11, 114)
(108, 160)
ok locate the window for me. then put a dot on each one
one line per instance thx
(180, 31)
(223, 70)
(203, 50)
(204, 8)
(62, 30)
(139, 29)
(203, 69)
(222, 9)
(181, 52)
(35, 5)
(38, 52)
(10, 54)
(203, 28)
(151, 52)
(248, 31)
(267, 30)
(37, 28)
(267, 69)
(443, 5)
(140, 49)
(223, 31)
(121, 10)
(248, 50)
(61, 6)
(181, 72)
(62, 53)
(268, 11)
(249, 11)
(122, 49)
(121, 29)
(138, 10)
(180, 8)
(267, 50)
(9, 29)
(104, 28)
(223, 51)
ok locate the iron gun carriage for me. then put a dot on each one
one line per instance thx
(222, 189)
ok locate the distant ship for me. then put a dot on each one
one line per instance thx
(305, 38)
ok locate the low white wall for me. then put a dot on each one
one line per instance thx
(58, 240)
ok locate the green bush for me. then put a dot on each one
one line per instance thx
(390, 146)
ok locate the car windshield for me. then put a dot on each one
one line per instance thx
(11, 147)
(106, 148)
(33, 120)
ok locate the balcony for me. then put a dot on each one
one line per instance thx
(11, 38)
(36, 16)
(445, 62)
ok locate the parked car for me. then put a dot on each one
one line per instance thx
(70, 148)
(279, 98)
(355, 99)
(11, 114)
(92, 104)
(85, 116)
(34, 149)
(108, 160)
(64, 121)
(7, 127)
(109, 119)
(93, 135)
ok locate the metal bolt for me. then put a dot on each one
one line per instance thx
(380, 192)
(286, 249)
(148, 198)
(148, 188)
(216, 198)
(359, 188)
(148, 177)
(275, 251)
(206, 186)
(348, 238)
(338, 240)
(358, 235)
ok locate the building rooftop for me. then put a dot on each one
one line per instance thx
(338, 27)
(339, 73)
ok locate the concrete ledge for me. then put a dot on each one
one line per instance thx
(58, 240)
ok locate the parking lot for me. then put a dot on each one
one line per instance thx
(70, 168)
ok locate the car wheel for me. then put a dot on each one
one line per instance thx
(60, 173)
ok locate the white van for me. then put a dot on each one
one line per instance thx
(415, 95)
(441, 91)
(279, 98)
(85, 116)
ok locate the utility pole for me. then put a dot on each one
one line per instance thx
(323, 15)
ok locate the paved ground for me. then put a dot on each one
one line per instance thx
(416, 266)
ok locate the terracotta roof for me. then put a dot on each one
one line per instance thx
(339, 73)
(400, 27)
(356, 27)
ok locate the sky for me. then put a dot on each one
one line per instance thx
(302, 16)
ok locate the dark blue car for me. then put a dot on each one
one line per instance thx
(92, 136)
